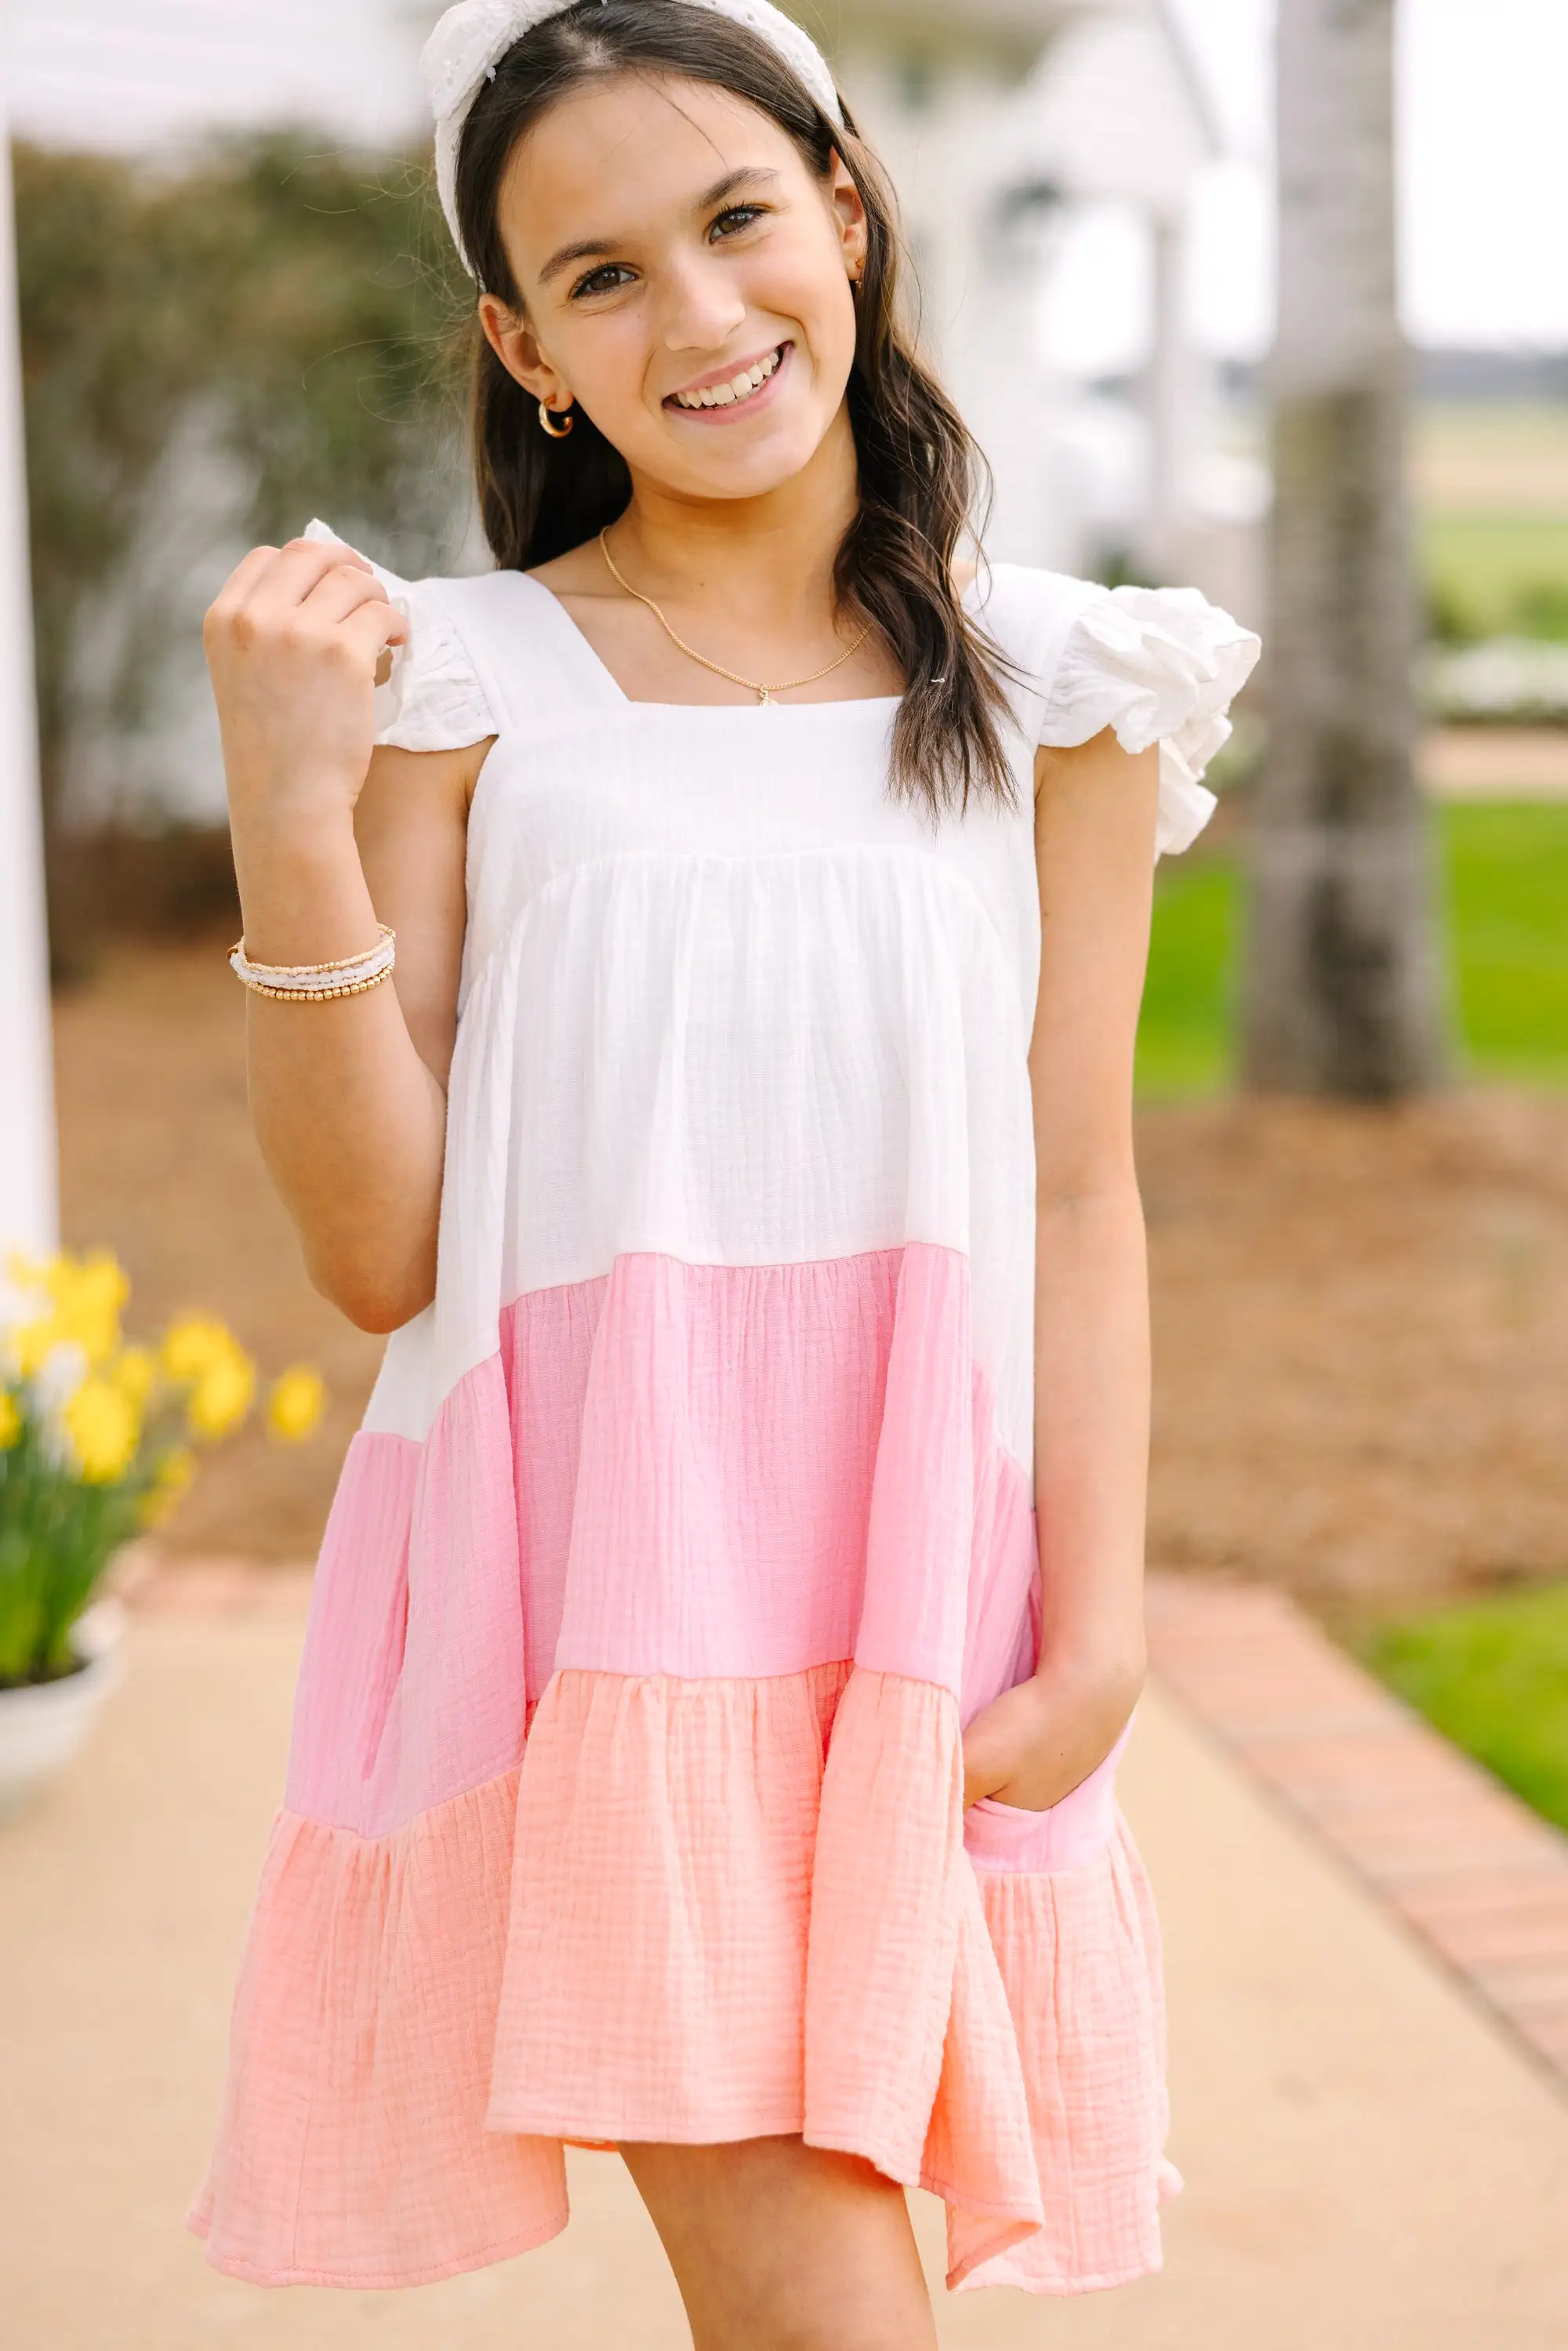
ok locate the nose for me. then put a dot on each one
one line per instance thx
(703, 304)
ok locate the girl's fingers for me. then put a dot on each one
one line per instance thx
(333, 549)
(247, 573)
(295, 570)
(341, 591)
(373, 629)
(329, 587)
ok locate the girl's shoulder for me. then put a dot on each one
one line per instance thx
(1153, 664)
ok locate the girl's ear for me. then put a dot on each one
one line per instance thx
(849, 215)
(515, 345)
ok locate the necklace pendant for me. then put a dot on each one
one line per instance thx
(764, 693)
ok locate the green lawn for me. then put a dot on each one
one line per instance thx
(1184, 1036)
(1491, 499)
(1508, 889)
(1505, 875)
(1496, 575)
(1493, 1676)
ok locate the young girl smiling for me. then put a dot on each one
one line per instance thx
(730, 1621)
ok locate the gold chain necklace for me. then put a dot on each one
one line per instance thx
(763, 693)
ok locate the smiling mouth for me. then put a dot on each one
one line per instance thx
(737, 390)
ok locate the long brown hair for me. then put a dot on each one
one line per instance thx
(921, 475)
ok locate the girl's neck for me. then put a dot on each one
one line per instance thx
(770, 558)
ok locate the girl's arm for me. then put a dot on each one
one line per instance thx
(330, 834)
(1094, 834)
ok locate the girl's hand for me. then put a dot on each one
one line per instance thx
(293, 641)
(1034, 1744)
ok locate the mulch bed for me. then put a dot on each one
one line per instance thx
(1361, 1316)
(1361, 1333)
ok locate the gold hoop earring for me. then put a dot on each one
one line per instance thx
(558, 427)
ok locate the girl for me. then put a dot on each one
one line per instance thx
(729, 1620)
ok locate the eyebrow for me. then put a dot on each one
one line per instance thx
(601, 248)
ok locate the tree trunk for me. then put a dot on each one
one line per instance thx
(1344, 994)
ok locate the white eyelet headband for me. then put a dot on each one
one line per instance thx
(462, 53)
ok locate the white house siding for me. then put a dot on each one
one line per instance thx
(148, 73)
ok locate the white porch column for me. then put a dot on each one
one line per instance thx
(28, 1194)
(1168, 397)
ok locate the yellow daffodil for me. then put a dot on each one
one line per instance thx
(175, 1471)
(193, 1344)
(89, 1294)
(294, 1405)
(134, 1372)
(85, 1297)
(105, 1428)
(222, 1395)
(203, 1353)
(10, 1420)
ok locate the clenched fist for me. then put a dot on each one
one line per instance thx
(293, 642)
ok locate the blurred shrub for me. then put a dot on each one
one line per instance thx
(1540, 610)
(1449, 618)
(1486, 574)
(297, 305)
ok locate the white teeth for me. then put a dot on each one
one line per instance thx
(740, 387)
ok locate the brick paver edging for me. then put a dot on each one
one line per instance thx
(1482, 1878)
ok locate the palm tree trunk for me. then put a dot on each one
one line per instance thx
(1343, 987)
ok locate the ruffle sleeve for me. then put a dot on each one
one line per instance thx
(433, 700)
(1158, 666)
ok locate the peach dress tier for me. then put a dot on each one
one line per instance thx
(692, 1522)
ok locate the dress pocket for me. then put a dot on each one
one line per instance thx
(999, 1836)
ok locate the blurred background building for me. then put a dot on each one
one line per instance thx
(1014, 129)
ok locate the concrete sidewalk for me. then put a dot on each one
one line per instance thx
(1370, 2162)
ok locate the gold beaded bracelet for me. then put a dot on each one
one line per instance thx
(320, 995)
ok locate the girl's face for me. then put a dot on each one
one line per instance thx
(685, 278)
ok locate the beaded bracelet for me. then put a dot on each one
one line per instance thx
(349, 976)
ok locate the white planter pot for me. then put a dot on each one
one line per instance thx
(43, 1725)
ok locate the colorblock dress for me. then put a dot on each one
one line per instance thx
(692, 1522)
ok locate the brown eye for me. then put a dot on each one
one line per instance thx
(602, 280)
(737, 218)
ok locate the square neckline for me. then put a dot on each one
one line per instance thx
(594, 664)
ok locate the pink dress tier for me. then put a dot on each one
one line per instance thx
(694, 1518)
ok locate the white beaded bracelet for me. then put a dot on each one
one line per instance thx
(349, 976)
